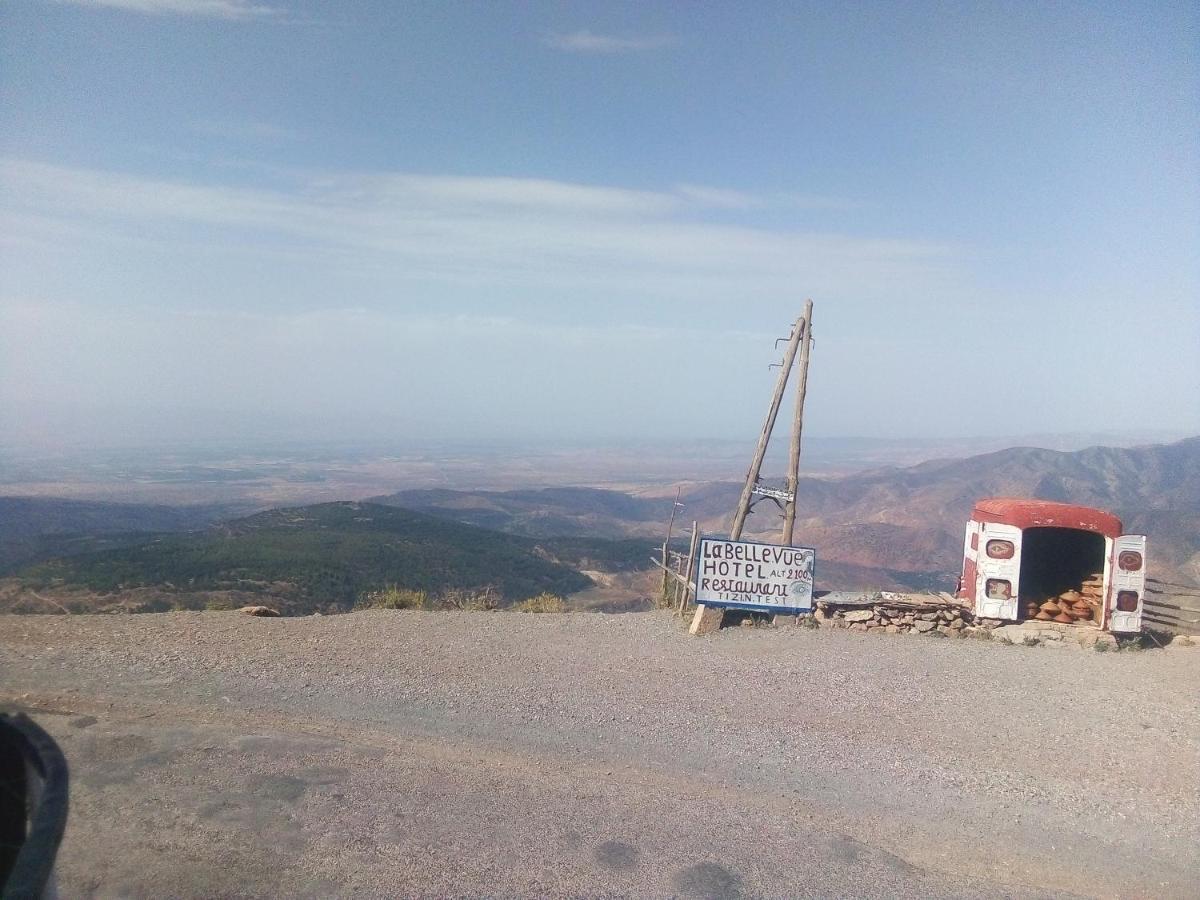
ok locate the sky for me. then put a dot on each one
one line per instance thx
(488, 221)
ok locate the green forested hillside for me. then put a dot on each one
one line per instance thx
(36, 528)
(328, 554)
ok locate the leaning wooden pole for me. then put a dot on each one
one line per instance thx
(793, 478)
(760, 451)
(708, 618)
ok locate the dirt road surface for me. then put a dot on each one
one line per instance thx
(384, 754)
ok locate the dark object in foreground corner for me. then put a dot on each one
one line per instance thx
(33, 808)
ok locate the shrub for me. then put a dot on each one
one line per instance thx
(476, 600)
(393, 597)
(219, 604)
(542, 603)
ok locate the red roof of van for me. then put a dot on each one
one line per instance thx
(1024, 513)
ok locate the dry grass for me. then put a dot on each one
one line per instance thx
(542, 603)
(393, 597)
(484, 599)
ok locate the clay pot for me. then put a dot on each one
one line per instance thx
(1064, 618)
(1051, 607)
(1044, 616)
(1084, 612)
(1070, 596)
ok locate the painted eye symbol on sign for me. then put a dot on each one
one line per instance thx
(798, 589)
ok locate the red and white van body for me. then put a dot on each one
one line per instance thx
(991, 573)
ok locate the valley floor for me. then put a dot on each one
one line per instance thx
(384, 754)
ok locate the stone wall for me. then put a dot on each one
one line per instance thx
(949, 618)
(891, 617)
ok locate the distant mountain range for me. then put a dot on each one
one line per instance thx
(893, 527)
(888, 528)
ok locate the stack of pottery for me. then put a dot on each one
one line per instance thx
(1074, 604)
(1092, 590)
(1048, 610)
(1067, 607)
(1064, 615)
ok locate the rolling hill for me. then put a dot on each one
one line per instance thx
(325, 556)
(35, 528)
(544, 512)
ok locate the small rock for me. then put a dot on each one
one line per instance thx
(859, 615)
(928, 617)
(958, 624)
(858, 626)
(1011, 634)
(892, 629)
(1091, 637)
(259, 611)
(1181, 641)
(923, 626)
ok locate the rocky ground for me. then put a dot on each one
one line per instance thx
(504, 754)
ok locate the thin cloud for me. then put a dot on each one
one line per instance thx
(399, 227)
(584, 41)
(230, 10)
(243, 131)
(718, 198)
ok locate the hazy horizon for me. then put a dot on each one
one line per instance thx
(224, 220)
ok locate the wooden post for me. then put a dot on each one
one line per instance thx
(708, 619)
(793, 479)
(666, 600)
(691, 566)
(678, 581)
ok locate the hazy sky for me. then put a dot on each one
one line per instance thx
(593, 219)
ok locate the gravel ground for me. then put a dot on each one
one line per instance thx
(503, 754)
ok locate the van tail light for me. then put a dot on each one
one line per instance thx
(1130, 561)
(998, 589)
(1127, 601)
